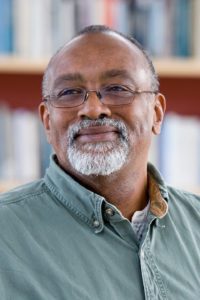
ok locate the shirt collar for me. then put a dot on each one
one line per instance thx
(88, 205)
(157, 193)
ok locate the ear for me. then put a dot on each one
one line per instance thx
(159, 111)
(45, 118)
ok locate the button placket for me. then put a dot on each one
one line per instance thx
(97, 222)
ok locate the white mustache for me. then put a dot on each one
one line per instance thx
(73, 130)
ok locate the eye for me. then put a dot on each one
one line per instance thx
(116, 88)
(70, 92)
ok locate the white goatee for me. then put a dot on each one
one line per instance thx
(100, 158)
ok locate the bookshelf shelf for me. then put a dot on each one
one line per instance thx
(19, 65)
(176, 67)
(166, 67)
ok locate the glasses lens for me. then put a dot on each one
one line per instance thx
(117, 95)
(69, 98)
(111, 95)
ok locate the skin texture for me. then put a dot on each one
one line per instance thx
(94, 57)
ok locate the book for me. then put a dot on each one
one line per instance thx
(32, 28)
(179, 151)
(139, 25)
(45, 150)
(123, 17)
(154, 151)
(196, 28)
(26, 145)
(22, 23)
(24, 150)
(83, 13)
(38, 28)
(182, 27)
(62, 22)
(158, 23)
(6, 146)
(6, 27)
(41, 28)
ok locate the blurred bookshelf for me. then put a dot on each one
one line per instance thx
(31, 31)
(172, 67)
(7, 185)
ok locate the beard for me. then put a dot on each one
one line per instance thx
(99, 158)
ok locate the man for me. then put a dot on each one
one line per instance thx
(101, 224)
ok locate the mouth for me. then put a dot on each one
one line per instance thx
(94, 134)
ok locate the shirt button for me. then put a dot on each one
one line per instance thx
(96, 223)
(110, 212)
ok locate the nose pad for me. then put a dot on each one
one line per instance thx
(98, 94)
(93, 108)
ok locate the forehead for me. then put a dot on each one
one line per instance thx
(97, 54)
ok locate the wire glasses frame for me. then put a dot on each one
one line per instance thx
(113, 95)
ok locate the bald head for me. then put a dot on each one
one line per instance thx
(86, 35)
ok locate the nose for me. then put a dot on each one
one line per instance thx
(93, 108)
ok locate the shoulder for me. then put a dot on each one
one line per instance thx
(183, 195)
(23, 192)
(183, 201)
(175, 195)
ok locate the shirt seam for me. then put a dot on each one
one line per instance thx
(22, 198)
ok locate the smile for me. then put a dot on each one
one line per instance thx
(94, 134)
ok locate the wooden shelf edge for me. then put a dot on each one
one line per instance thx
(176, 67)
(12, 65)
(166, 67)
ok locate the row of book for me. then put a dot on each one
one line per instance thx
(175, 151)
(37, 28)
(24, 152)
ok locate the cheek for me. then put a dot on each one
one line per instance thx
(58, 132)
(140, 122)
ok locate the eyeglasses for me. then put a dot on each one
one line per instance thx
(114, 95)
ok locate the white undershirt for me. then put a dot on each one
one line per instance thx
(139, 220)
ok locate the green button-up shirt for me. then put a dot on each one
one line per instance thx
(59, 240)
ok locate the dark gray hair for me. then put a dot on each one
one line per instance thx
(98, 29)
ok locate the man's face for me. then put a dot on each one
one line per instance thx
(96, 138)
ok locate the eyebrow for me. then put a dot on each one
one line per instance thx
(69, 77)
(116, 73)
(113, 73)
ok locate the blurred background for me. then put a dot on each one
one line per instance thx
(31, 31)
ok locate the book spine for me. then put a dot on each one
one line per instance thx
(196, 28)
(6, 27)
(24, 151)
(182, 28)
(37, 28)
